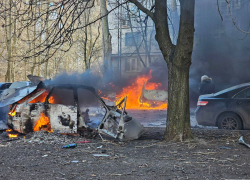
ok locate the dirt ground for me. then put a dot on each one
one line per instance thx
(215, 154)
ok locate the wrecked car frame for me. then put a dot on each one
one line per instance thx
(69, 108)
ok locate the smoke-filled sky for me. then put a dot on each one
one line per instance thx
(220, 50)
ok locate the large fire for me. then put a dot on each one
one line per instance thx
(41, 98)
(134, 92)
(43, 124)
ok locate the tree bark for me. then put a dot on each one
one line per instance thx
(47, 41)
(34, 46)
(9, 48)
(107, 47)
(86, 17)
(14, 52)
(178, 117)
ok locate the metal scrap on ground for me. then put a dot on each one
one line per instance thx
(241, 141)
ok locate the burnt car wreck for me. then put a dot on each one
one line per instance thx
(153, 97)
(70, 108)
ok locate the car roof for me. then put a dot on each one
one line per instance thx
(232, 88)
(71, 86)
(1, 83)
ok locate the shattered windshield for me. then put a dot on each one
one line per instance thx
(62, 96)
(90, 106)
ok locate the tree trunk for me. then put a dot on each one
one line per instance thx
(107, 48)
(34, 46)
(40, 41)
(9, 49)
(85, 42)
(14, 49)
(47, 40)
(134, 41)
(178, 117)
(29, 54)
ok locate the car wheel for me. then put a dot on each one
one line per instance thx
(230, 121)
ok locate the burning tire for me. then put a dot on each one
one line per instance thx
(230, 121)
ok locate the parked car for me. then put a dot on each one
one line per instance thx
(227, 109)
(4, 86)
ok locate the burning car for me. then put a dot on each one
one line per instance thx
(71, 108)
(153, 97)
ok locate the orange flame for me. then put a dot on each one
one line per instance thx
(51, 100)
(43, 124)
(134, 91)
(12, 113)
(8, 130)
(13, 135)
(41, 98)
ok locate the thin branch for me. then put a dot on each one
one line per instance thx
(143, 9)
(230, 12)
(219, 10)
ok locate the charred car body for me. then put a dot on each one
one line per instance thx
(71, 108)
(153, 97)
(227, 109)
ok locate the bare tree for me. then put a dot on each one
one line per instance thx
(45, 29)
(178, 59)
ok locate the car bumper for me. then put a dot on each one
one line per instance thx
(205, 117)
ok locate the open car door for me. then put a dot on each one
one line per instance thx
(118, 124)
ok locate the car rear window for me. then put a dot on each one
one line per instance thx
(243, 94)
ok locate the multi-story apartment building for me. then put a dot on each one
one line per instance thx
(133, 44)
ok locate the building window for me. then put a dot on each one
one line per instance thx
(132, 64)
(132, 39)
(127, 64)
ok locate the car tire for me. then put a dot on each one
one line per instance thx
(230, 121)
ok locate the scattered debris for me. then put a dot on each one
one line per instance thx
(101, 155)
(225, 148)
(70, 146)
(104, 151)
(155, 124)
(82, 142)
(241, 141)
(75, 161)
(143, 165)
